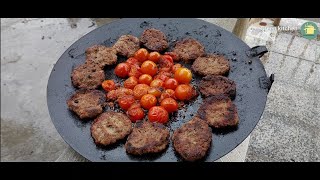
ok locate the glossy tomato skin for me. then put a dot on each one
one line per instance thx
(171, 83)
(140, 90)
(155, 91)
(145, 79)
(169, 104)
(122, 70)
(148, 101)
(183, 92)
(126, 101)
(156, 83)
(168, 93)
(135, 114)
(158, 114)
(183, 75)
(108, 85)
(154, 56)
(142, 55)
(131, 82)
(149, 67)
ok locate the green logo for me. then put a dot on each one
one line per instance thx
(309, 30)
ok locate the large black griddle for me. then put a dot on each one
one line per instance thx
(246, 70)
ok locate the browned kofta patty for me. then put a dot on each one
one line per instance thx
(101, 55)
(219, 111)
(127, 45)
(147, 137)
(211, 65)
(189, 49)
(87, 76)
(87, 103)
(110, 127)
(212, 85)
(192, 140)
(154, 40)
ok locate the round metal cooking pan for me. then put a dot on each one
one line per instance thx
(246, 70)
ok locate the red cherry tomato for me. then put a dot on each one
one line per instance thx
(155, 91)
(169, 104)
(158, 114)
(131, 82)
(112, 95)
(156, 83)
(163, 76)
(122, 70)
(135, 114)
(142, 54)
(171, 83)
(126, 101)
(154, 56)
(108, 85)
(174, 55)
(135, 71)
(165, 61)
(133, 61)
(149, 67)
(184, 92)
(183, 75)
(176, 67)
(148, 101)
(168, 93)
(123, 91)
(145, 79)
(140, 90)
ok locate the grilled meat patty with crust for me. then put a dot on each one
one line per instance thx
(189, 49)
(87, 103)
(147, 137)
(212, 85)
(87, 76)
(101, 55)
(211, 65)
(154, 40)
(219, 111)
(110, 127)
(192, 140)
(127, 45)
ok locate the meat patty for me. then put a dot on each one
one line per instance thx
(101, 55)
(219, 111)
(87, 103)
(154, 40)
(189, 49)
(192, 140)
(87, 76)
(215, 85)
(211, 65)
(147, 137)
(110, 127)
(127, 45)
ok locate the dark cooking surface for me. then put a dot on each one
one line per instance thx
(247, 72)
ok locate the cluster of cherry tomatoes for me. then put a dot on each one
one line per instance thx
(153, 83)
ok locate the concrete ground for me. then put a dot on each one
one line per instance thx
(289, 129)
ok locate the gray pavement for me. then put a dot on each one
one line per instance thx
(289, 127)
